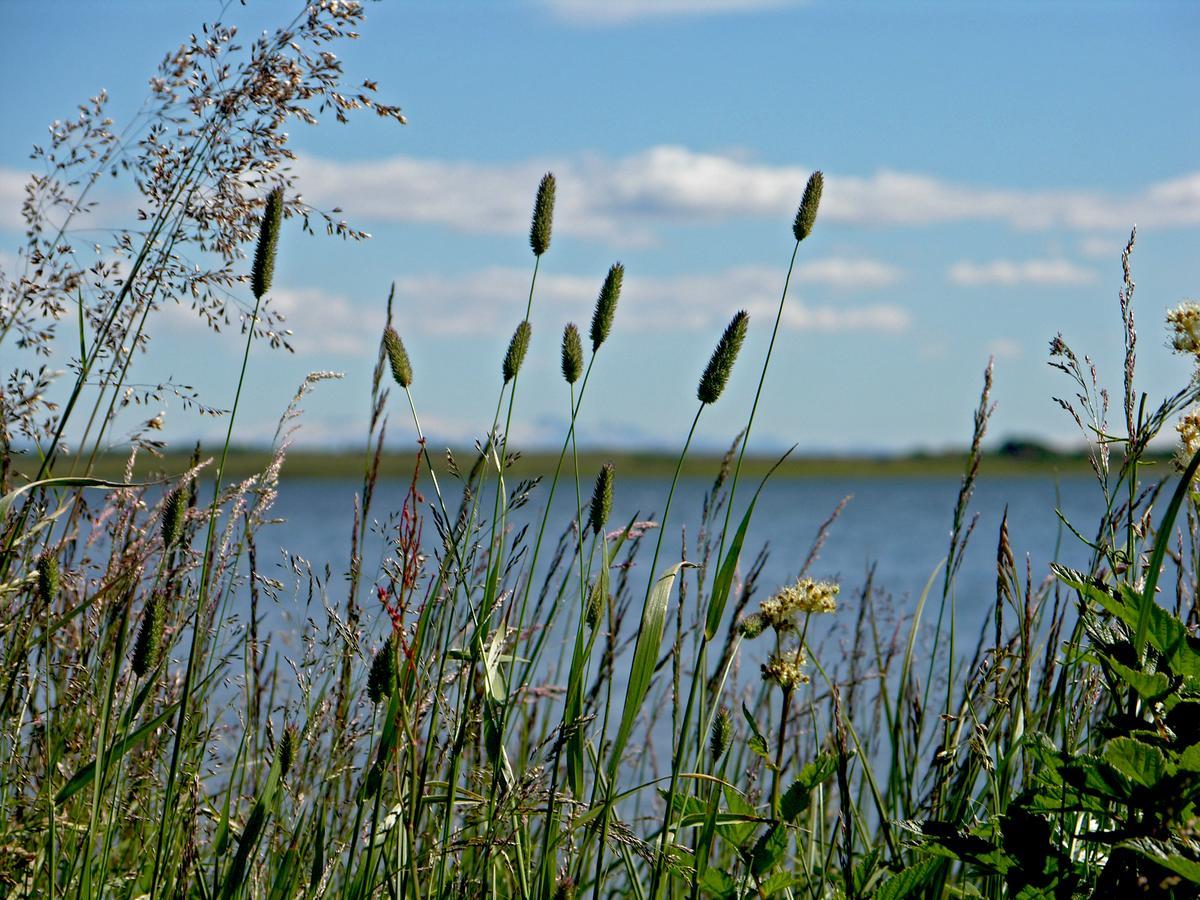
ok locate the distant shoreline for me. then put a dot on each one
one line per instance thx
(310, 464)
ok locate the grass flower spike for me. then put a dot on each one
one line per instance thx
(268, 241)
(543, 216)
(806, 215)
(173, 511)
(518, 346)
(47, 578)
(397, 357)
(572, 354)
(722, 734)
(147, 649)
(602, 495)
(606, 305)
(720, 364)
(382, 677)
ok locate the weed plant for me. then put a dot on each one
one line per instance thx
(548, 711)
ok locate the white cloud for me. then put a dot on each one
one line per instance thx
(1043, 272)
(625, 199)
(1004, 348)
(12, 195)
(1109, 248)
(617, 12)
(842, 272)
(492, 300)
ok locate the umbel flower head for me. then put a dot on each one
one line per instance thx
(805, 596)
(397, 357)
(543, 216)
(720, 364)
(1185, 326)
(786, 669)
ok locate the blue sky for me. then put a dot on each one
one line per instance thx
(984, 162)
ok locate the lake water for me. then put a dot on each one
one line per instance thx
(900, 525)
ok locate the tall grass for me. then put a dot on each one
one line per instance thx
(550, 711)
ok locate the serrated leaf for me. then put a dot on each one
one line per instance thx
(909, 882)
(795, 799)
(768, 850)
(1140, 763)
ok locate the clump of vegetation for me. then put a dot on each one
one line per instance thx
(491, 711)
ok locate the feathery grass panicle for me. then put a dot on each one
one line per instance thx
(543, 216)
(147, 649)
(518, 346)
(786, 669)
(606, 305)
(806, 215)
(47, 578)
(572, 354)
(720, 364)
(397, 357)
(721, 735)
(173, 511)
(602, 496)
(382, 677)
(268, 241)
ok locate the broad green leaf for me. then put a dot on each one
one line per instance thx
(796, 798)
(769, 850)
(1138, 762)
(908, 883)
(1148, 686)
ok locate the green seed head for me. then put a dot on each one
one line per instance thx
(397, 357)
(268, 240)
(752, 626)
(174, 508)
(287, 749)
(382, 677)
(47, 578)
(543, 216)
(517, 348)
(595, 605)
(565, 889)
(806, 215)
(147, 649)
(722, 734)
(606, 305)
(720, 364)
(572, 354)
(602, 495)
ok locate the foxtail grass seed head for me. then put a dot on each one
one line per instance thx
(752, 626)
(147, 649)
(47, 578)
(572, 354)
(1185, 327)
(517, 348)
(786, 669)
(382, 677)
(721, 735)
(606, 305)
(565, 889)
(287, 750)
(173, 511)
(602, 495)
(806, 215)
(268, 241)
(595, 605)
(720, 364)
(781, 609)
(543, 216)
(397, 357)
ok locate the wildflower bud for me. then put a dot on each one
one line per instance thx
(606, 305)
(147, 649)
(397, 357)
(722, 734)
(595, 605)
(287, 750)
(543, 216)
(268, 240)
(752, 626)
(572, 354)
(806, 215)
(720, 364)
(602, 495)
(517, 348)
(47, 578)
(172, 518)
(382, 677)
